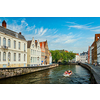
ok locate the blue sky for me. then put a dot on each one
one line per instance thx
(69, 33)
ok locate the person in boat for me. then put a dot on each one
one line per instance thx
(66, 72)
(69, 71)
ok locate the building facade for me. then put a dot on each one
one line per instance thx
(50, 59)
(89, 55)
(98, 51)
(33, 53)
(97, 37)
(13, 48)
(45, 46)
(76, 59)
(42, 53)
(84, 57)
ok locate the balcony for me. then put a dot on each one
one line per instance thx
(4, 47)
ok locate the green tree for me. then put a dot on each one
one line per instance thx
(62, 55)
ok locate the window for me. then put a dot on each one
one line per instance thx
(19, 56)
(31, 51)
(24, 57)
(33, 45)
(14, 44)
(24, 47)
(9, 43)
(19, 45)
(4, 41)
(4, 56)
(16, 35)
(9, 56)
(0, 56)
(38, 47)
(14, 56)
(0, 40)
(31, 59)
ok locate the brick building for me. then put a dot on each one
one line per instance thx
(89, 55)
(45, 52)
(97, 36)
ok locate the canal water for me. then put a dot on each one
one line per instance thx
(53, 76)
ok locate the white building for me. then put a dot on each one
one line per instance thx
(84, 57)
(50, 59)
(76, 59)
(98, 51)
(13, 48)
(91, 48)
(33, 53)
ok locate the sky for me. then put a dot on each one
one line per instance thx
(69, 33)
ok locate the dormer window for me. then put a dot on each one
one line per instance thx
(33, 45)
(16, 35)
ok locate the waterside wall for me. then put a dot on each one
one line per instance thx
(17, 71)
(95, 77)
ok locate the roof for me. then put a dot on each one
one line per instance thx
(84, 53)
(10, 32)
(77, 54)
(41, 44)
(66, 51)
(92, 44)
(97, 37)
(29, 43)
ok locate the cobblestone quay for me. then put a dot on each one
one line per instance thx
(16, 71)
(95, 72)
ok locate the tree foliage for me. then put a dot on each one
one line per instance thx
(62, 55)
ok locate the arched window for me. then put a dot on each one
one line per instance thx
(14, 56)
(24, 47)
(4, 56)
(9, 56)
(19, 57)
(9, 43)
(4, 41)
(14, 44)
(19, 45)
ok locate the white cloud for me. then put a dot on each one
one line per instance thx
(35, 31)
(86, 27)
(77, 26)
(44, 32)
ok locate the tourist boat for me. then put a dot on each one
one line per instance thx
(67, 73)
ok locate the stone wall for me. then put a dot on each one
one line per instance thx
(93, 76)
(10, 72)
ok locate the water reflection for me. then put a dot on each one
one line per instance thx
(52, 76)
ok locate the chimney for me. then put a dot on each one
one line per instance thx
(20, 33)
(4, 24)
(35, 40)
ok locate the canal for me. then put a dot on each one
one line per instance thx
(52, 76)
